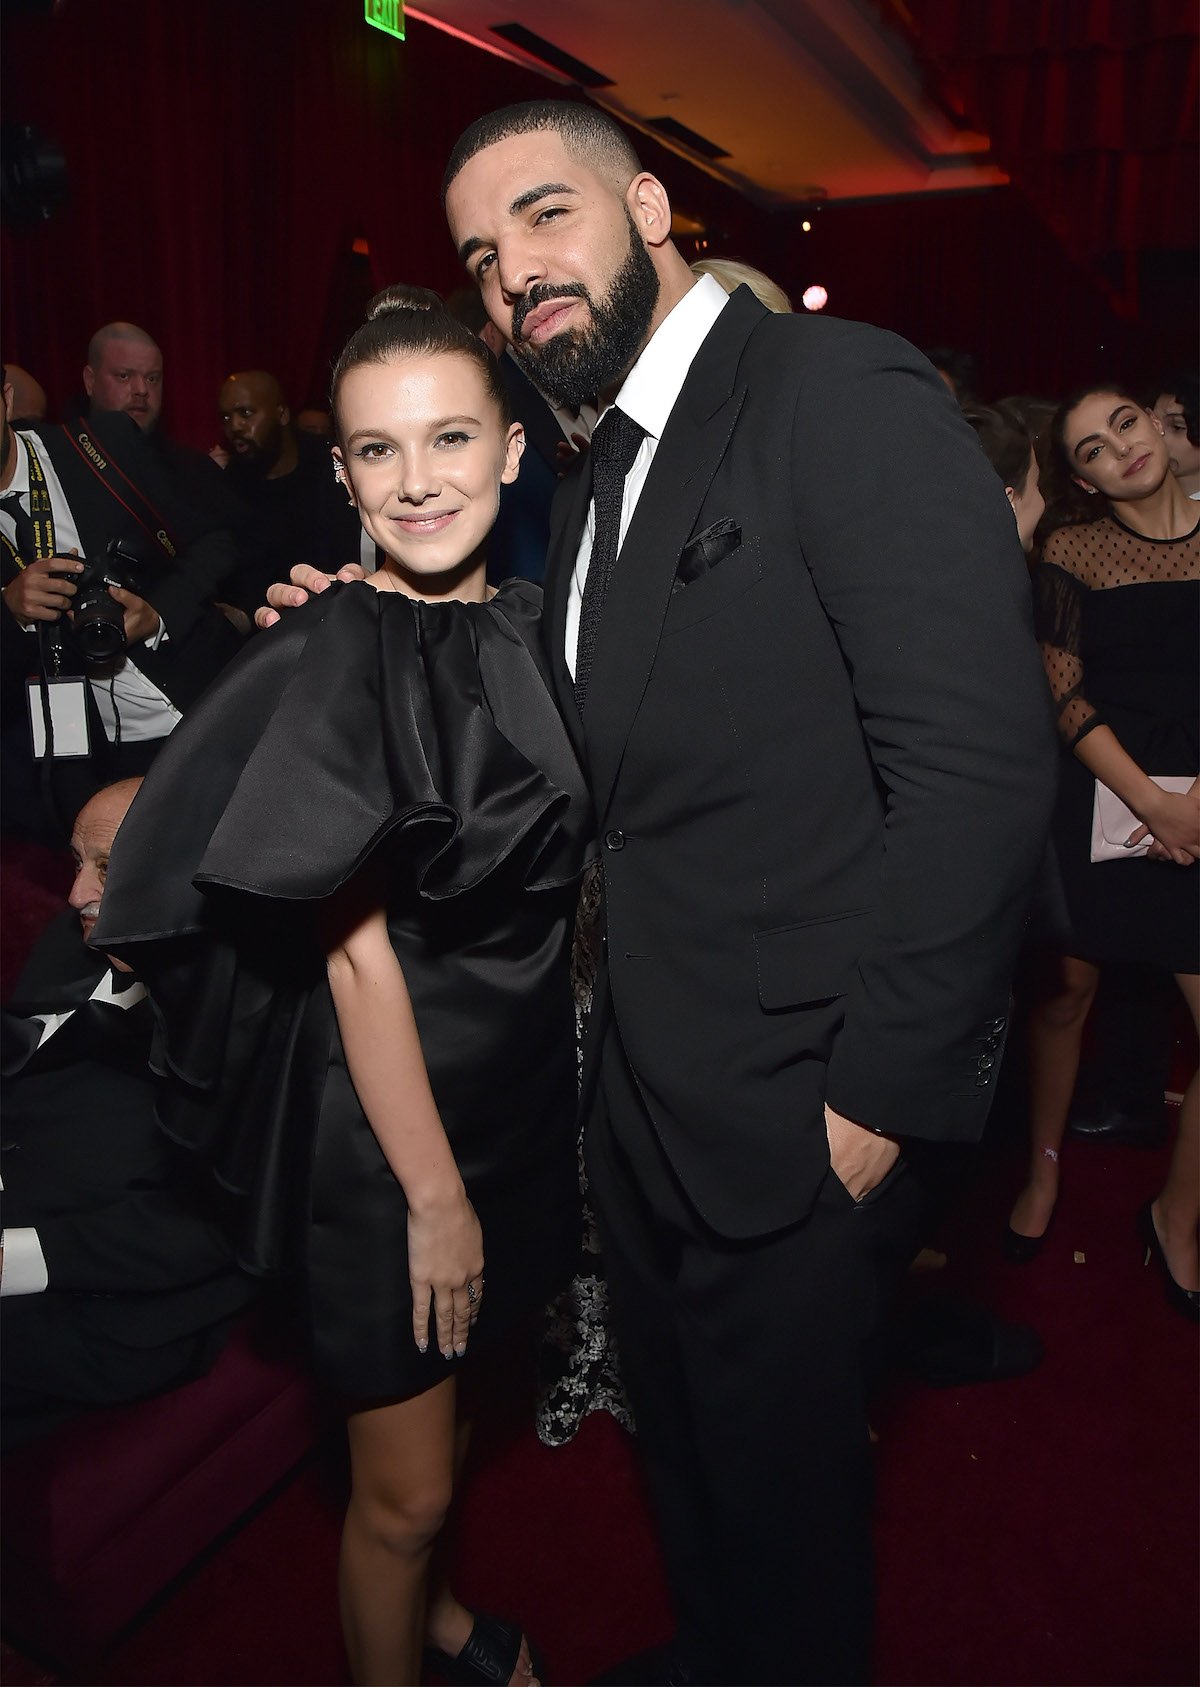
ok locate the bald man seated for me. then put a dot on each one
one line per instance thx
(116, 1279)
(294, 511)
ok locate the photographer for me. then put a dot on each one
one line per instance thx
(66, 495)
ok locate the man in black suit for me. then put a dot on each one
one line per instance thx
(822, 760)
(820, 747)
(92, 481)
(117, 1281)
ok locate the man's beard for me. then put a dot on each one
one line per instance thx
(578, 363)
(257, 461)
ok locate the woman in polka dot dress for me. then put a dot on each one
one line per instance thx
(1118, 602)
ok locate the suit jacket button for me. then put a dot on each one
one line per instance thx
(614, 840)
(986, 1062)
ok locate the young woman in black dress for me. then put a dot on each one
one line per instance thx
(1117, 605)
(350, 884)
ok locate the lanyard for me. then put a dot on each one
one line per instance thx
(40, 513)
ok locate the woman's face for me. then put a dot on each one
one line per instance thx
(1115, 447)
(1028, 505)
(426, 454)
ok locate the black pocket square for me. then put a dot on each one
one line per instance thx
(706, 550)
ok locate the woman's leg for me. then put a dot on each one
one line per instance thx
(1176, 1210)
(1055, 1033)
(402, 1478)
(449, 1622)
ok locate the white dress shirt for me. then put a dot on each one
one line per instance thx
(648, 395)
(24, 1262)
(146, 712)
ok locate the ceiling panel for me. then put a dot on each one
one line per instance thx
(809, 99)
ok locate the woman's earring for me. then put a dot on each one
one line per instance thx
(339, 473)
(1090, 490)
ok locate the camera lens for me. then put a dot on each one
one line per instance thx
(100, 627)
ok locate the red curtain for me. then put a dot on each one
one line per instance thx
(1091, 107)
(222, 158)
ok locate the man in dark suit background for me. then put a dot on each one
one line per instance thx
(807, 693)
(117, 1280)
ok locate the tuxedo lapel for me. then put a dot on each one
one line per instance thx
(694, 441)
(566, 526)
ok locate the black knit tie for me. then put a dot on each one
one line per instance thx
(613, 448)
(26, 545)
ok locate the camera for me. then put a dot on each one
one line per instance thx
(98, 621)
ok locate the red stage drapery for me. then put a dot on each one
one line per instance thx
(1090, 106)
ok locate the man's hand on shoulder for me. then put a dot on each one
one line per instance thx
(304, 580)
(860, 1158)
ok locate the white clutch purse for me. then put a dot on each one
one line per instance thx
(1113, 821)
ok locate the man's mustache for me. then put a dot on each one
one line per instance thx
(542, 295)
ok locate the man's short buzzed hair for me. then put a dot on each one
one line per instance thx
(117, 331)
(587, 134)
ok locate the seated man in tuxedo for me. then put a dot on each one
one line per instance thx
(116, 1277)
(65, 494)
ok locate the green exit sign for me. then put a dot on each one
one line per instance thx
(387, 15)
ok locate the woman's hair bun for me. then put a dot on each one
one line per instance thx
(403, 298)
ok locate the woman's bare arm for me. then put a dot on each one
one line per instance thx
(386, 1063)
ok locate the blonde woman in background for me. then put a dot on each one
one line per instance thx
(732, 273)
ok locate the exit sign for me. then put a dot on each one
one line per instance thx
(387, 15)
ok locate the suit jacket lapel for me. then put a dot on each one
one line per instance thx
(689, 452)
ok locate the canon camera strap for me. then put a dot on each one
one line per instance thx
(118, 485)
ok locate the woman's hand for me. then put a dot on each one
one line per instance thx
(303, 581)
(445, 1268)
(1172, 821)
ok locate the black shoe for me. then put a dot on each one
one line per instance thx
(1020, 1250)
(1184, 1301)
(950, 1344)
(657, 1666)
(489, 1655)
(1120, 1125)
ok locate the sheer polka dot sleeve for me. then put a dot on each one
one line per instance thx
(1058, 599)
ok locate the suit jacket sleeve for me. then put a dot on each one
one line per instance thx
(143, 1241)
(189, 492)
(913, 549)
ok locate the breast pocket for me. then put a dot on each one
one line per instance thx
(713, 591)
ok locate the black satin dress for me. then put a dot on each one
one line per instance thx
(422, 738)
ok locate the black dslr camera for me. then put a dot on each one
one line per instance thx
(97, 619)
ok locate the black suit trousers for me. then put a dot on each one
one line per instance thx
(746, 1364)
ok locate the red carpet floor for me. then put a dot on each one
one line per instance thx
(1042, 1530)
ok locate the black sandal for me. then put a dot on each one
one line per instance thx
(488, 1657)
